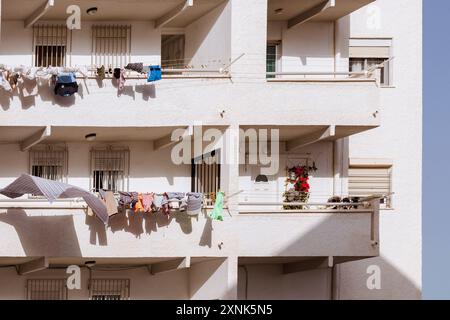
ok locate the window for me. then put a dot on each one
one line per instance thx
(110, 169)
(50, 45)
(49, 162)
(111, 46)
(361, 64)
(172, 51)
(109, 289)
(272, 58)
(206, 174)
(46, 289)
(365, 180)
(367, 53)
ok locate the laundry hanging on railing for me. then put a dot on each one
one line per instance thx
(216, 214)
(191, 203)
(52, 190)
(66, 84)
(154, 74)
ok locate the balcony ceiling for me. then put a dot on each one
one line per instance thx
(293, 8)
(288, 133)
(111, 10)
(65, 261)
(74, 134)
(77, 134)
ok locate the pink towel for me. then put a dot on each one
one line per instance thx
(147, 201)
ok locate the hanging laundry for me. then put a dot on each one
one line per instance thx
(52, 190)
(101, 73)
(194, 203)
(147, 201)
(165, 208)
(138, 67)
(14, 79)
(28, 88)
(139, 206)
(128, 199)
(116, 73)
(154, 74)
(110, 202)
(177, 200)
(216, 214)
(4, 83)
(66, 84)
(157, 202)
(121, 79)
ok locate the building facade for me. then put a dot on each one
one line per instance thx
(290, 108)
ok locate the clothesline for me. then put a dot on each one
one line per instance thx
(190, 203)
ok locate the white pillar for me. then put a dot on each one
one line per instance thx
(214, 279)
(249, 37)
(341, 164)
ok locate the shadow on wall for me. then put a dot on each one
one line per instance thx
(40, 232)
(46, 94)
(57, 234)
(267, 281)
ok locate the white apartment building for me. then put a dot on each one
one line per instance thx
(336, 82)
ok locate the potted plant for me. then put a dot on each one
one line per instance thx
(298, 178)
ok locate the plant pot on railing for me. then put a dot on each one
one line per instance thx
(295, 197)
(299, 192)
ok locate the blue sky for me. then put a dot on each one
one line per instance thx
(436, 174)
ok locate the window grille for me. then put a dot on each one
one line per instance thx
(111, 45)
(109, 289)
(205, 174)
(110, 169)
(51, 45)
(46, 289)
(49, 162)
(371, 180)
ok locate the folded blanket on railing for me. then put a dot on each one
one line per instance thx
(52, 190)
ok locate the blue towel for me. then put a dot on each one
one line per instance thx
(154, 74)
(66, 78)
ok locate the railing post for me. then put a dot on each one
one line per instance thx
(375, 222)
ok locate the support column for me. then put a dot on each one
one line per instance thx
(230, 165)
(340, 167)
(249, 37)
(214, 279)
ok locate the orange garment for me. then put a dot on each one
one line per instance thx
(139, 206)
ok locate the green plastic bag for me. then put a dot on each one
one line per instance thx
(216, 214)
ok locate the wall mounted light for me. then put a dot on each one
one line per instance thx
(279, 11)
(90, 264)
(92, 11)
(91, 137)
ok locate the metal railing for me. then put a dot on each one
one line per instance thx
(369, 205)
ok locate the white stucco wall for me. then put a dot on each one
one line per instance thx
(247, 100)
(267, 282)
(208, 39)
(399, 139)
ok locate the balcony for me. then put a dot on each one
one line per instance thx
(254, 223)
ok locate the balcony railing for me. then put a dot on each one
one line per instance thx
(369, 205)
(320, 76)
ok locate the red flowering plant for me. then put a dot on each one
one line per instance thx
(298, 177)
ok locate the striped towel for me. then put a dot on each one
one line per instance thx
(52, 190)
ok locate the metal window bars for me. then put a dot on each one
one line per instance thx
(49, 162)
(206, 174)
(109, 289)
(46, 289)
(51, 45)
(110, 169)
(111, 45)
